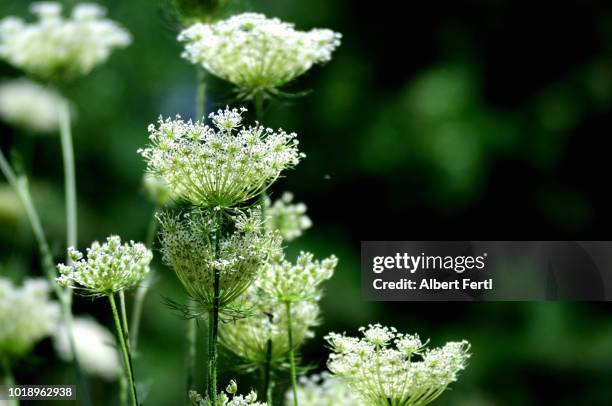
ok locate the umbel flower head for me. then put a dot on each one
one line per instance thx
(223, 165)
(202, 243)
(107, 268)
(292, 283)
(60, 49)
(248, 337)
(30, 106)
(255, 53)
(323, 390)
(27, 315)
(95, 346)
(227, 398)
(387, 368)
(288, 218)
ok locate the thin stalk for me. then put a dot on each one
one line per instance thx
(9, 379)
(200, 94)
(126, 334)
(124, 350)
(143, 289)
(69, 173)
(213, 322)
(266, 374)
(291, 355)
(259, 109)
(20, 185)
(192, 340)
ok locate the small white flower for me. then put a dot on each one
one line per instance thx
(222, 166)
(286, 217)
(27, 315)
(381, 368)
(107, 268)
(57, 48)
(248, 337)
(292, 283)
(323, 390)
(30, 106)
(224, 400)
(95, 347)
(255, 53)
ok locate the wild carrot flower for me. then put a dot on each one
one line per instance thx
(223, 165)
(288, 218)
(291, 283)
(57, 48)
(255, 53)
(200, 243)
(30, 106)
(323, 390)
(95, 347)
(27, 315)
(157, 189)
(385, 367)
(227, 398)
(248, 337)
(107, 268)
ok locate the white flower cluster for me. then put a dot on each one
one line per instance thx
(196, 246)
(108, 268)
(288, 218)
(248, 337)
(27, 315)
(30, 106)
(222, 166)
(95, 347)
(323, 390)
(291, 283)
(227, 399)
(389, 368)
(255, 53)
(59, 49)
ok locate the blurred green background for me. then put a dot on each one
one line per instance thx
(484, 119)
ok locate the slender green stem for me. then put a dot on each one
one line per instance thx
(200, 94)
(143, 289)
(124, 350)
(213, 322)
(266, 374)
(69, 173)
(9, 379)
(20, 185)
(258, 101)
(192, 341)
(291, 355)
(126, 331)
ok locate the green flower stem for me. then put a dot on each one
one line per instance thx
(20, 185)
(200, 94)
(291, 355)
(69, 173)
(9, 379)
(143, 289)
(266, 372)
(124, 350)
(213, 323)
(192, 341)
(258, 101)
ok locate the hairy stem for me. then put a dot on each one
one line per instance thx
(266, 373)
(124, 350)
(291, 355)
(9, 379)
(69, 173)
(20, 185)
(143, 288)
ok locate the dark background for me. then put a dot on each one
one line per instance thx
(472, 120)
